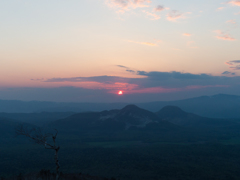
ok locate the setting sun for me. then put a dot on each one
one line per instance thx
(120, 92)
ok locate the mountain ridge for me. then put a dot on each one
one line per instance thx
(216, 106)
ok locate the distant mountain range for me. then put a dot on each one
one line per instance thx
(129, 123)
(217, 106)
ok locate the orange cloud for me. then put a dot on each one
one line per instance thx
(125, 5)
(174, 15)
(235, 3)
(187, 34)
(152, 15)
(223, 36)
(226, 37)
(220, 8)
(164, 90)
(144, 43)
(231, 21)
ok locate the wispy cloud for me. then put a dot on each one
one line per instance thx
(152, 15)
(144, 43)
(231, 21)
(174, 15)
(220, 8)
(125, 5)
(187, 34)
(234, 3)
(127, 68)
(231, 63)
(224, 36)
(234, 65)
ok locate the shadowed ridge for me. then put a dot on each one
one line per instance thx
(133, 111)
(172, 112)
(132, 108)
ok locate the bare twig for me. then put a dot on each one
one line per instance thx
(39, 137)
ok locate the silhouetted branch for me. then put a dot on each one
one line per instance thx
(39, 137)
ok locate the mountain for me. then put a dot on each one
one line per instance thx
(38, 119)
(129, 117)
(217, 106)
(179, 117)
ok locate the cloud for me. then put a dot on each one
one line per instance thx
(231, 63)
(153, 82)
(100, 79)
(231, 21)
(220, 8)
(125, 5)
(236, 67)
(174, 15)
(127, 69)
(144, 43)
(224, 36)
(235, 3)
(121, 66)
(187, 34)
(152, 15)
(228, 73)
(156, 75)
(159, 8)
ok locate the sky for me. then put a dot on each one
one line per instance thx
(89, 50)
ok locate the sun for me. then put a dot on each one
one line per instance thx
(120, 93)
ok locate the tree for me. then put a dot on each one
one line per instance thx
(39, 137)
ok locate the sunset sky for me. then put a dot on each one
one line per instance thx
(89, 50)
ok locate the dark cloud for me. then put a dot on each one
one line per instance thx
(231, 63)
(159, 8)
(174, 15)
(158, 79)
(38, 79)
(100, 79)
(173, 75)
(131, 71)
(228, 73)
(127, 69)
(234, 65)
(150, 86)
(122, 66)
